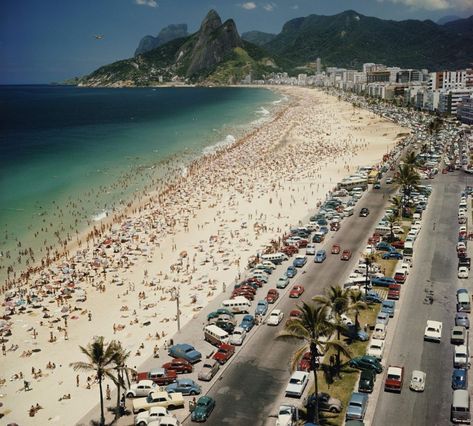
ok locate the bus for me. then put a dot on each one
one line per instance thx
(373, 176)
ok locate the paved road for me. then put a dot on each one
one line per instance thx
(435, 268)
(249, 391)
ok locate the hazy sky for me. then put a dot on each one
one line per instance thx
(42, 41)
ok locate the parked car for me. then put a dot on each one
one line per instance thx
(320, 256)
(238, 336)
(366, 362)
(225, 325)
(224, 353)
(296, 291)
(208, 370)
(184, 386)
(247, 323)
(310, 249)
(394, 291)
(461, 357)
(287, 415)
(297, 384)
(382, 318)
(179, 365)
(376, 349)
(384, 246)
(462, 319)
(203, 408)
(346, 255)
(392, 255)
(366, 382)
(272, 295)
(462, 272)
(154, 414)
(291, 271)
(388, 306)
(458, 336)
(379, 331)
(140, 389)
(356, 406)
(183, 350)
(304, 363)
(433, 331)
(364, 212)
(326, 402)
(335, 249)
(282, 282)
(382, 281)
(372, 297)
(158, 399)
(460, 378)
(417, 383)
(160, 376)
(275, 317)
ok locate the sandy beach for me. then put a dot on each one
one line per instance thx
(195, 238)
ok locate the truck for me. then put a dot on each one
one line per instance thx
(183, 350)
(224, 353)
(160, 376)
(158, 399)
(394, 379)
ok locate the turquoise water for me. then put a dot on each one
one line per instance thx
(69, 154)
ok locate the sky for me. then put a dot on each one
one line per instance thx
(45, 41)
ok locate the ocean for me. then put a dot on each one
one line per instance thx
(69, 156)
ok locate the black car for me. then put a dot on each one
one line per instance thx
(226, 326)
(367, 379)
(364, 212)
(464, 261)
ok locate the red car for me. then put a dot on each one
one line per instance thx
(179, 365)
(304, 363)
(245, 294)
(335, 249)
(256, 281)
(346, 255)
(375, 239)
(335, 226)
(295, 314)
(398, 244)
(272, 295)
(394, 379)
(290, 250)
(160, 376)
(296, 291)
(394, 291)
(224, 353)
(246, 288)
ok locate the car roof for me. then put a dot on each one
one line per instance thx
(157, 371)
(205, 399)
(145, 382)
(394, 370)
(185, 381)
(358, 397)
(300, 374)
(158, 410)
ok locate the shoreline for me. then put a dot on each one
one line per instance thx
(195, 238)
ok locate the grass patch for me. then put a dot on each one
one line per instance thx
(387, 266)
(343, 386)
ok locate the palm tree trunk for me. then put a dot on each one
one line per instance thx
(102, 416)
(338, 354)
(313, 361)
(117, 411)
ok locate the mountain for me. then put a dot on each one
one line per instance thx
(257, 37)
(167, 34)
(461, 27)
(349, 39)
(444, 19)
(213, 55)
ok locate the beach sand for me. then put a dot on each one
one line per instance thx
(197, 238)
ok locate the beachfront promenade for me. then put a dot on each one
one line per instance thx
(197, 238)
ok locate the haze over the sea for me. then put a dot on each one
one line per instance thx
(68, 155)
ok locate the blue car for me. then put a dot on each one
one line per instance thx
(299, 261)
(460, 379)
(261, 307)
(248, 322)
(324, 230)
(357, 406)
(388, 307)
(320, 256)
(183, 350)
(373, 297)
(384, 246)
(382, 281)
(184, 386)
(392, 255)
(291, 272)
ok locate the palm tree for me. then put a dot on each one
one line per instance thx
(392, 220)
(410, 158)
(409, 180)
(357, 304)
(337, 300)
(100, 361)
(120, 357)
(314, 329)
(396, 201)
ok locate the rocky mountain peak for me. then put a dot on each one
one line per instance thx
(211, 22)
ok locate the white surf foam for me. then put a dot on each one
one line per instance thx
(229, 139)
(99, 216)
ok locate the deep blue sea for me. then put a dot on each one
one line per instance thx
(69, 154)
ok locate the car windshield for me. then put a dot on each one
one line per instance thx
(285, 411)
(393, 377)
(295, 381)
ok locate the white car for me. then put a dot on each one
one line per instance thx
(309, 250)
(140, 389)
(376, 349)
(460, 357)
(379, 332)
(275, 317)
(287, 415)
(297, 383)
(433, 331)
(165, 421)
(268, 264)
(462, 272)
(153, 414)
(417, 381)
(238, 336)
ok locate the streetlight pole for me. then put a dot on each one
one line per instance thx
(176, 296)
